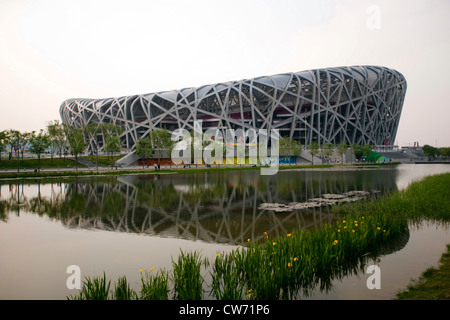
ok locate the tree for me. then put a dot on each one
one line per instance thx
(341, 150)
(38, 144)
(357, 150)
(289, 147)
(161, 139)
(444, 151)
(327, 150)
(55, 132)
(367, 149)
(92, 130)
(75, 138)
(144, 147)
(430, 151)
(111, 139)
(17, 141)
(3, 142)
(313, 148)
(112, 145)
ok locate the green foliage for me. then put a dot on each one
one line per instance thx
(434, 284)
(122, 290)
(161, 139)
(289, 147)
(154, 286)
(144, 147)
(94, 289)
(341, 150)
(445, 152)
(56, 134)
(430, 151)
(313, 148)
(3, 142)
(75, 138)
(38, 144)
(327, 150)
(187, 277)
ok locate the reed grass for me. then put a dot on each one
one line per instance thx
(94, 289)
(123, 291)
(155, 285)
(187, 276)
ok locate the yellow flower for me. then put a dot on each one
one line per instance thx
(378, 228)
(274, 243)
(353, 230)
(250, 290)
(339, 230)
(343, 221)
(356, 224)
(345, 227)
(140, 270)
(335, 242)
(289, 265)
(289, 234)
(248, 240)
(295, 259)
(218, 255)
(384, 230)
(239, 245)
(250, 295)
(153, 269)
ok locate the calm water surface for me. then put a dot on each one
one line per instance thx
(119, 225)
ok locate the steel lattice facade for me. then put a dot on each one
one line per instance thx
(357, 104)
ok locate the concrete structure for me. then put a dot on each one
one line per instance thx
(357, 104)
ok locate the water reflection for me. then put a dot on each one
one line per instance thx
(215, 207)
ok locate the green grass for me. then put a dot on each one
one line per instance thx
(94, 289)
(434, 284)
(286, 267)
(103, 161)
(47, 163)
(154, 286)
(9, 170)
(187, 276)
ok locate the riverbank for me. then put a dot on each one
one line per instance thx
(51, 172)
(434, 284)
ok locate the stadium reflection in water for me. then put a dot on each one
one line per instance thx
(214, 207)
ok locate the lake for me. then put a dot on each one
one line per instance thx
(121, 224)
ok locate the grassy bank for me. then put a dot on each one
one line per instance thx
(67, 168)
(32, 164)
(434, 284)
(294, 264)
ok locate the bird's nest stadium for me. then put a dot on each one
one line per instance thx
(355, 104)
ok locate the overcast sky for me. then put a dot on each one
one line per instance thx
(58, 49)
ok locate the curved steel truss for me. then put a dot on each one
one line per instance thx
(358, 104)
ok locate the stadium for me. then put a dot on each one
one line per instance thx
(354, 104)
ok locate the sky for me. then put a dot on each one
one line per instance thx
(53, 50)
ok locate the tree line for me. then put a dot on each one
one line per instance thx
(291, 147)
(60, 139)
(433, 152)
